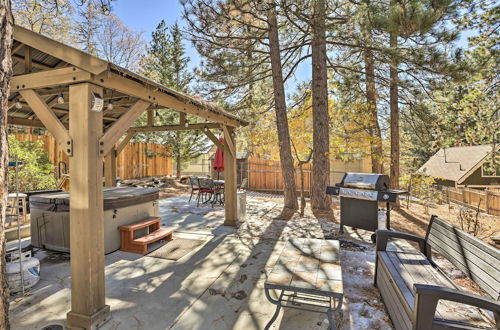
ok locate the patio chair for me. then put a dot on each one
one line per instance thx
(208, 191)
(193, 181)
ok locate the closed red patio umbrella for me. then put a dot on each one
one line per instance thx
(218, 162)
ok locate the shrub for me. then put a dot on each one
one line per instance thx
(36, 171)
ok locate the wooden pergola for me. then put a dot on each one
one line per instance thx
(56, 86)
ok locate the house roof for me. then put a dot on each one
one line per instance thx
(456, 163)
(123, 86)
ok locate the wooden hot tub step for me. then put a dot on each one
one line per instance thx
(155, 236)
(140, 244)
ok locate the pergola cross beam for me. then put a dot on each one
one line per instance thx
(48, 78)
(201, 126)
(49, 119)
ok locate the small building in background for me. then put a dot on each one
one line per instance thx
(202, 166)
(241, 167)
(463, 167)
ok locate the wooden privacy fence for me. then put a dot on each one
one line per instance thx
(265, 175)
(137, 160)
(487, 200)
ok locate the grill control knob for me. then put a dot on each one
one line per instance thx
(385, 196)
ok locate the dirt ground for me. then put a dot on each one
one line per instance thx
(415, 219)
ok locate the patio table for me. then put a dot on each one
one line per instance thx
(307, 276)
(219, 182)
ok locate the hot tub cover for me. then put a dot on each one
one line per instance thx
(114, 198)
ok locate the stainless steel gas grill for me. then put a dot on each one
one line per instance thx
(360, 195)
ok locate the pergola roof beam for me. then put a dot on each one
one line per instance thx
(48, 78)
(136, 89)
(201, 126)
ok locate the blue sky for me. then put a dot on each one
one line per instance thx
(144, 16)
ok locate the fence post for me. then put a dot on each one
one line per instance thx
(486, 191)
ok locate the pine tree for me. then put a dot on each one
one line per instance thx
(166, 62)
(245, 46)
(87, 26)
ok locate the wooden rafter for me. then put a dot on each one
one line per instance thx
(174, 127)
(48, 118)
(54, 77)
(114, 133)
(35, 64)
(16, 48)
(70, 55)
(28, 60)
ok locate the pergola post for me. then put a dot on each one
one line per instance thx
(88, 308)
(230, 189)
(110, 168)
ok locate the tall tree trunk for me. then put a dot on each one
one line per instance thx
(290, 190)
(6, 22)
(371, 100)
(393, 103)
(320, 202)
(178, 167)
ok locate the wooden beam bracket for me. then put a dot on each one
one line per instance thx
(122, 125)
(214, 139)
(49, 119)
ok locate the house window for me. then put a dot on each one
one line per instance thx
(488, 170)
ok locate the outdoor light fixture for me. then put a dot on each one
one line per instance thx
(110, 105)
(97, 102)
(205, 128)
(18, 104)
(186, 124)
(60, 99)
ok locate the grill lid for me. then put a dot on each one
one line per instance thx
(370, 181)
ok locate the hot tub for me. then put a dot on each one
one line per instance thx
(122, 206)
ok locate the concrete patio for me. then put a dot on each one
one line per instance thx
(217, 286)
